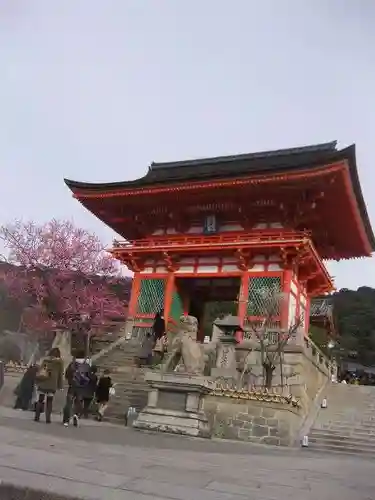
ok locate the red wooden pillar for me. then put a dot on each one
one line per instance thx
(284, 313)
(298, 301)
(307, 315)
(243, 297)
(136, 284)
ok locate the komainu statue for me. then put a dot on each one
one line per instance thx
(184, 348)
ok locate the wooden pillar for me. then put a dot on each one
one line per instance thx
(243, 297)
(169, 289)
(136, 284)
(298, 301)
(284, 313)
(307, 315)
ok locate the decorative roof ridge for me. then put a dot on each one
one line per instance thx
(327, 147)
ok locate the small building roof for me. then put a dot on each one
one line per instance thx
(321, 307)
(229, 321)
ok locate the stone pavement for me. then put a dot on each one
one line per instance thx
(80, 463)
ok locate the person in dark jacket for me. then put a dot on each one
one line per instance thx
(88, 392)
(77, 375)
(25, 389)
(158, 327)
(102, 393)
(49, 379)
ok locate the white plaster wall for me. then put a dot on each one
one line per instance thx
(185, 269)
(274, 267)
(268, 225)
(293, 287)
(147, 270)
(229, 267)
(292, 310)
(208, 260)
(207, 269)
(259, 258)
(274, 257)
(303, 316)
(195, 230)
(230, 227)
(257, 268)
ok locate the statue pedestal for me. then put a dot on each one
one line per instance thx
(175, 405)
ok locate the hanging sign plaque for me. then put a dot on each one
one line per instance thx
(210, 224)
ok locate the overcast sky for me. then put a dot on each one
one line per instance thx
(95, 90)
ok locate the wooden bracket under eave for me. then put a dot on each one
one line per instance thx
(244, 259)
(171, 263)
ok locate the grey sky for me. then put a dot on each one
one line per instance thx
(96, 89)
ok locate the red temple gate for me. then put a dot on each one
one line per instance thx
(235, 228)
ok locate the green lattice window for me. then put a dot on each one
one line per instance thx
(260, 293)
(151, 296)
(176, 306)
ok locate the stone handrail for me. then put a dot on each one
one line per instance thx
(317, 355)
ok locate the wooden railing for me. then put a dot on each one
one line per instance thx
(191, 240)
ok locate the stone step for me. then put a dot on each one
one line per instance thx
(347, 426)
(332, 437)
(346, 432)
(349, 423)
(340, 452)
(341, 448)
(353, 431)
(361, 415)
(131, 390)
(366, 412)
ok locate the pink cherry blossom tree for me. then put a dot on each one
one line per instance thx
(62, 277)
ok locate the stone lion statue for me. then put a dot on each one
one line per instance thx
(185, 349)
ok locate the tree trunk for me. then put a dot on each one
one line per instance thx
(88, 344)
(269, 369)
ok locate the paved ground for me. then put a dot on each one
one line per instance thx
(114, 463)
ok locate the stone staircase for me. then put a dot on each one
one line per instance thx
(131, 389)
(347, 425)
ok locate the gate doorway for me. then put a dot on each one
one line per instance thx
(207, 299)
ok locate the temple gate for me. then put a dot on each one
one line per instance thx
(234, 228)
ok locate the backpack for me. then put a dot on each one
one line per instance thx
(81, 377)
(43, 373)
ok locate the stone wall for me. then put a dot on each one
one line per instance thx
(13, 492)
(305, 369)
(253, 421)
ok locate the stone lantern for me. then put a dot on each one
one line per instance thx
(226, 364)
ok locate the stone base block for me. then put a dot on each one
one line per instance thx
(175, 405)
(173, 422)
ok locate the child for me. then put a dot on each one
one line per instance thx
(103, 390)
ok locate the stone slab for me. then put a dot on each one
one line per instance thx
(172, 470)
(176, 381)
(174, 422)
